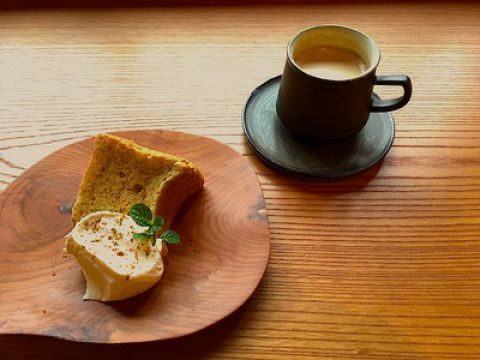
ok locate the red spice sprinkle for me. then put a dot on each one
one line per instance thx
(120, 253)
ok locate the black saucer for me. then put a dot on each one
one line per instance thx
(329, 160)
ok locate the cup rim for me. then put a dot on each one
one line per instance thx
(362, 75)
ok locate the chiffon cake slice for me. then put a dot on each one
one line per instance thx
(121, 174)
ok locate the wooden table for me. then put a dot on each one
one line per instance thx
(380, 266)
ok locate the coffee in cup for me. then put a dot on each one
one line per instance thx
(330, 63)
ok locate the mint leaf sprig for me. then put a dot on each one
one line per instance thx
(142, 215)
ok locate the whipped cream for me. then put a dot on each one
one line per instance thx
(115, 265)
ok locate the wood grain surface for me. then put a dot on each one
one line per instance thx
(385, 265)
(222, 257)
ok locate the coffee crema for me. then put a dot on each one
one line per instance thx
(330, 63)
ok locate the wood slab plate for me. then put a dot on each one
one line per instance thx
(221, 260)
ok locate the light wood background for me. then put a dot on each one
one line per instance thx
(380, 266)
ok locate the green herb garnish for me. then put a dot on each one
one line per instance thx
(142, 215)
(170, 237)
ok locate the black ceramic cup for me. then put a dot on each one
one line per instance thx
(319, 108)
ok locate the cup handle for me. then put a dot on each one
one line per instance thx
(380, 105)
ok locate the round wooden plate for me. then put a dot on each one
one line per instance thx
(223, 255)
